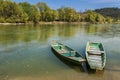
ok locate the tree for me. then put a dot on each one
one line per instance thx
(108, 19)
(31, 11)
(27, 8)
(91, 16)
(54, 15)
(68, 14)
(46, 13)
(50, 15)
(24, 12)
(77, 17)
(34, 14)
(61, 14)
(42, 6)
(99, 18)
(12, 12)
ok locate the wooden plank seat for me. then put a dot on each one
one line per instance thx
(79, 59)
(95, 52)
(72, 53)
(95, 64)
(95, 59)
(62, 51)
(95, 48)
(97, 56)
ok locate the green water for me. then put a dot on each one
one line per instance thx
(25, 52)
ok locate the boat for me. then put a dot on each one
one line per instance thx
(95, 55)
(67, 53)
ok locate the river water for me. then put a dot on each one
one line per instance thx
(25, 52)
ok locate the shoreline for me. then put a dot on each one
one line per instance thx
(55, 23)
(44, 23)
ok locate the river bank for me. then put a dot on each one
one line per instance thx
(56, 23)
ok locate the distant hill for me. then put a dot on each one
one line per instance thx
(109, 12)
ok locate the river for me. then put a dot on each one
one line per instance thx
(25, 52)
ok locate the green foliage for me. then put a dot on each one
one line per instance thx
(91, 16)
(23, 18)
(31, 11)
(61, 14)
(54, 15)
(68, 14)
(23, 12)
(42, 6)
(108, 19)
(34, 14)
(26, 8)
(2, 20)
(49, 15)
(46, 13)
(11, 11)
(77, 17)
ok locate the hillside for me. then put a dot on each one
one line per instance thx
(109, 12)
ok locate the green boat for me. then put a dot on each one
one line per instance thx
(95, 55)
(67, 53)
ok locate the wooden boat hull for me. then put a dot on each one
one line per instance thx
(95, 55)
(70, 59)
(67, 59)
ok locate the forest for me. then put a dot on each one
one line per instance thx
(24, 12)
(111, 12)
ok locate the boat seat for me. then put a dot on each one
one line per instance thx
(95, 52)
(95, 64)
(57, 47)
(62, 51)
(94, 58)
(72, 53)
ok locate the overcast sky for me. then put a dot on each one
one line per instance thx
(79, 5)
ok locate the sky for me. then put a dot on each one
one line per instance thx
(79, 5)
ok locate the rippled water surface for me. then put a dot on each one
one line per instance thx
(25, 52)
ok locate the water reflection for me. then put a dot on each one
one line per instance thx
(109, 30)
(13, 34)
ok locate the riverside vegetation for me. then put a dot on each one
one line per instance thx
(24, 12)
